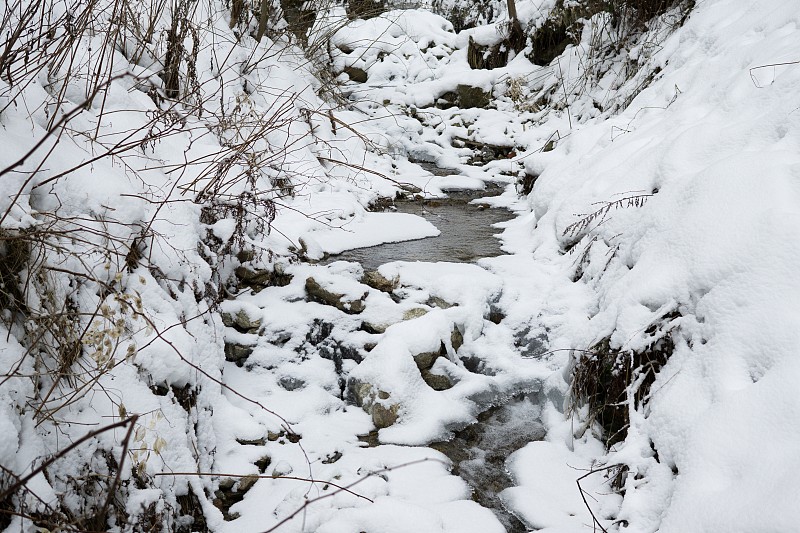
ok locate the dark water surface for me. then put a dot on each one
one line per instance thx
(467, 232)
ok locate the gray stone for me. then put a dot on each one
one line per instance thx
(246, 483)
(531, 344)
(375, 402)
(425, 360)
(249, 276)
(319, 294)
(375, 328)
(291, 383)
(360, 393)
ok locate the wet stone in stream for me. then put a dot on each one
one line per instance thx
(479, 452)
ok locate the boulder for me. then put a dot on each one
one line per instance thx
(241, 321)
(259, 278)
(376, 280)
(319, 294)
(376, 403)
(251, 277)
(435, 301)
(374, 328)
(384, 416)
(436, 381)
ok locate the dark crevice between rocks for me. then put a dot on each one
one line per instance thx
(320, 339)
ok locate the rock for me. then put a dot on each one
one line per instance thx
(263, 463)
(484, 152)
(447, 100)
(436, 381)
(375, 402)
(413, 313)
(252, 442)
(456, 338)
(359, 393)
(376, 280)
(525, 183)
(291, 383)
(470, 97)
(231, 492)
(319, 294)
(435, 301)
(370, 439)
(250, 277)
(358, 75)
(258, 279)
(375, 328)
(425, 360)
(246, 483)
(530, 344)
(384, 416)
(332, 458)
(476, 365)
(237, 353)
(241, 321)
(283, 468)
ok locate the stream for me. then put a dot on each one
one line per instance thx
(480, 450)
(466, 225)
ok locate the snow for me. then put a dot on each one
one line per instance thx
(695, 184)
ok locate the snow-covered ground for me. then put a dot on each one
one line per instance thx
(675, 218)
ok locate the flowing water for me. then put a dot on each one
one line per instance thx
(479, 452)
(465, 223)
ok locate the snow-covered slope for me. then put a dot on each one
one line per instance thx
(713, 143)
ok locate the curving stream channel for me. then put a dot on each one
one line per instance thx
(479, 451)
